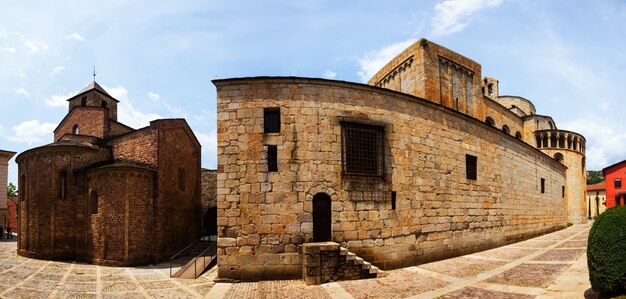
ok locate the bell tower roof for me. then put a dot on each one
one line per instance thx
(94, 86)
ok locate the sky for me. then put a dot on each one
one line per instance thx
(158, 57)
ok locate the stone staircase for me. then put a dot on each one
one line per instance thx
(327, 261)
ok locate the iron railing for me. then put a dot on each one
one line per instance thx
(185, 259)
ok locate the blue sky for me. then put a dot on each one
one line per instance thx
(159, 57)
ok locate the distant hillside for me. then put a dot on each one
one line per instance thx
(594, 176)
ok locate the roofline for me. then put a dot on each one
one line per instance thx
(612, 165)
(88, 90)
(405, 96)
(53, 145)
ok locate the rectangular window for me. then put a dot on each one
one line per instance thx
(471, 169)
(393, 200)
(272, 158)
(617, 200)
(363, 149)
(618, 183)
(563, 191)
(271, 120)
(543, 185)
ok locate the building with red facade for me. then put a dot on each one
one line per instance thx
(615, 178)
(106, 193)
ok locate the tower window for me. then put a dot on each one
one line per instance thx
(272, 158)
(490, 89)
(75, 130)
(393, 200)
(271, 120)
(363, 149)
(543, 185)
(618, 183)
(471, 169)
(83, 101)
(103, 104)
(563, 191)
(490, 121)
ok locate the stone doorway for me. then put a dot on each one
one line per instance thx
(322, 218)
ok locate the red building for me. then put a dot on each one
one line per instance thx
(615, 178)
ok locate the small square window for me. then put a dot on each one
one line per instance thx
(471, 170)
(363, 149)
(272, 158)
(271, 120)
(618, 183)
(543, 185)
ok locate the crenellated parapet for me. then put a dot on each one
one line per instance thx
(560, 139)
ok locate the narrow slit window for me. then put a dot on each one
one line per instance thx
(272, 158)
(393, 200)
(471, 168)
(563, 191)
(93, 201)
(543, 185)
(62, 185)
(271, 120)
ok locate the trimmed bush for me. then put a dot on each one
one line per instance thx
(606, 252)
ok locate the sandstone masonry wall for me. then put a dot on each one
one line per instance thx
(264, 217)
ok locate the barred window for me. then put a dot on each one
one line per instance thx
(363, 149)
(271, 120)
(471, 169)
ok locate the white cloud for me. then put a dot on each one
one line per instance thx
(154, 97)
(8, 49)
(32, 131)
(22, 74)
(56, 70)
(127, 114)
(328, 74)
(372, 62)
(34, 45)
(75, 36)
(59, 100)
(454, 15)
(22, 92)
(209, 148)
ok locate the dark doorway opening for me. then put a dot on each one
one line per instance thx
(322, 218)
(209, 222)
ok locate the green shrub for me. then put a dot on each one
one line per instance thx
(606, 252)
(423, 42)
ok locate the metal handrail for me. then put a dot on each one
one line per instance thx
(195, 259)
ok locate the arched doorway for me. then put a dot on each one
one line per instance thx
(322, 218)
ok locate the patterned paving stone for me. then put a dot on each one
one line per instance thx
(75, 295)
(470, 293)
(110, 278)
(82, 278)
(23, 293)
(78, 286)
(125, 295)
(398, 284)
(534, 243)
(574, 244)
(203, 289)
(462, 266)
(506, 253)
(161, 284)
(170, 294)
(277, 289)
(122, 286)
(561, 255)
(40, 284)
(530, 275)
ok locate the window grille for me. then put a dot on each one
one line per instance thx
(363, 149)
(271, 120)
(471, 168)
(272, 158)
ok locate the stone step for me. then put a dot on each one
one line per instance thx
(374, 270)
(358, 261)
(350, 256)
(343, 251)
(366, 265)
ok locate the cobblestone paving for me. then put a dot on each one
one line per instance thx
(550, 266)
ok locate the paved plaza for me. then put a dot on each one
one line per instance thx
(550, 266)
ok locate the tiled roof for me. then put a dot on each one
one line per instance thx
(597, 187)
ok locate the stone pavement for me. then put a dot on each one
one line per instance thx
(549, 266)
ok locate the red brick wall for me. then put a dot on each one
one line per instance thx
(92, 121)
(12, 213)
(117, 129)
(178, 211)
(138, 147)
(121, 231)
(51, 226)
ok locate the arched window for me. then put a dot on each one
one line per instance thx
(75, 130)
(553, 140)
(561, 141)
(93, 201)
(83, 101)
(551, 125)
(506, 129)
(181, 178)
(558, 157)
(538, 141)
(62, 185)
(518, 135)
(490, 121)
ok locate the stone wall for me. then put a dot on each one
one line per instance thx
(264, 217)
(326, 262)
(209, 189)
(140, 147)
